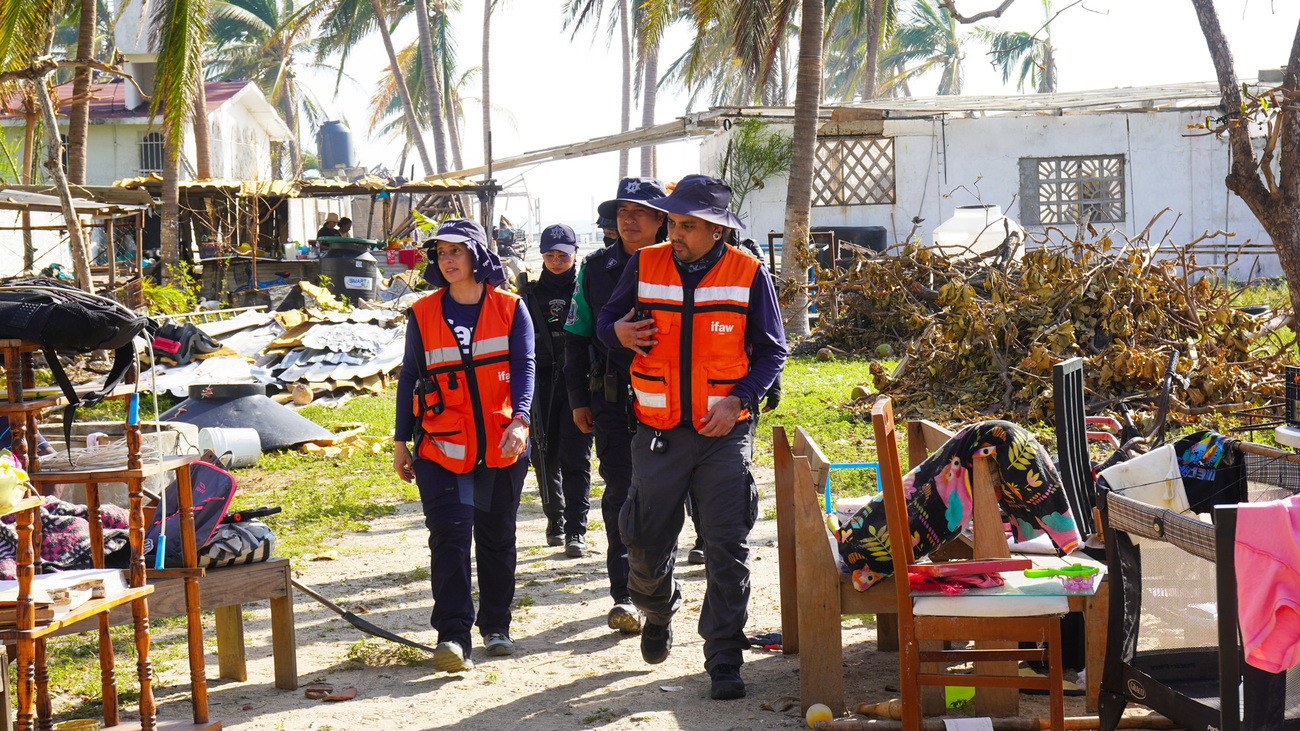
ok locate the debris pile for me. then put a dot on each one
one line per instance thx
(979, 340)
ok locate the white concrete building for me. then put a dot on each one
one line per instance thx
(1118, 156)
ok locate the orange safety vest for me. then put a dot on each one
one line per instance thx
(463, 405)
(701, 333)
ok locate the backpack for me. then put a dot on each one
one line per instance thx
(212, 488)
(62, 318)
(248, 541)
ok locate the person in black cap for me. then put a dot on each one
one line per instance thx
(702, 319)
(464, 394)
(561, 452)
(597, 374)
(608, 228)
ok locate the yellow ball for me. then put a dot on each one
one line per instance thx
(818, 712)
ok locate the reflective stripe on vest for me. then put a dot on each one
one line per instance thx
(701, 354)
(464, 409)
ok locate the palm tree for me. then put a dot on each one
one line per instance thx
(79, 116)
(1033, 57)
(179, 29)
(928, 41)
(487, 87)
(431, 83)
(577, 13)
(854, 34)
(708, 66)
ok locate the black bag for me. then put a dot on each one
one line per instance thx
(61, 317)
(212, 488)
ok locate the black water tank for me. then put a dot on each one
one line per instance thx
(351, 271)
(334, 146)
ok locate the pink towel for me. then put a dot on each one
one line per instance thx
(1267, 553)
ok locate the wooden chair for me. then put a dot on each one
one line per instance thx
(954, 618)
(814, 592)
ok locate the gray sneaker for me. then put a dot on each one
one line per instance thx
(498, 644)
(625, 618)
(575, 547)
(449, 657)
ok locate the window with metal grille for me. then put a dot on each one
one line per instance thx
(151, 153)
(853, 171)
(1072, 190)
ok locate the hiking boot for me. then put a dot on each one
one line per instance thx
(727, 684)
(656, 641)
(625, 618)
(696, 556)
(498, 644)
(449, 657)
(575, 546)
(554, 533)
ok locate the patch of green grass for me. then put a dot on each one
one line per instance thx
(601, 714)
(524, 602)
(375, 653)
(419, 573)
(322, 497)
(813, 394)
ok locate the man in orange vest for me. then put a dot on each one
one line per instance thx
(703, 320)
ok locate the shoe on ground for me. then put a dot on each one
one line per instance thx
(554, 533)
(498, 644)
(696, 556)
(575, 546)
(625, 618)
(726, 684)
(449, 657)
(656, 641)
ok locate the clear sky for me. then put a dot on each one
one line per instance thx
(551, 90)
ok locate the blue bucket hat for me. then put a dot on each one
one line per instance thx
(558, 237)
(703, 197)
(487, 265)
(632, 190)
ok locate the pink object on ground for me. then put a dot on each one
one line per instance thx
(1267, 554)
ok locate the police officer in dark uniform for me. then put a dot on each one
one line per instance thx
(561, 452)
(597, 375)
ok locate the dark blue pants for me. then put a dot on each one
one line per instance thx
(566, 486)
(715, 472)
(614, 450)
(451, 526)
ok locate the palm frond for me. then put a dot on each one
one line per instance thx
(179, 30)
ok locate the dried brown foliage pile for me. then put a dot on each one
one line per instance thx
(980, 340)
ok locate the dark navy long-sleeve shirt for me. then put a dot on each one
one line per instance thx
(763, 327)
(597, 279)
(522, 363)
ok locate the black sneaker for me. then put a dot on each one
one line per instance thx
(727, 684)
(554, 533)
(696, 555)
(656, 641)
(575, 546)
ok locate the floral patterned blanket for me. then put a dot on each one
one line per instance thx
(938, 493)
(65, 536)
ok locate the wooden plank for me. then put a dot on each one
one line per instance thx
(787, 567)
(230, 643)
(991, 542)
(284, 642)
(804, 446)
(821, 675)
(1096, 630)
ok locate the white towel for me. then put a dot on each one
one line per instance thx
(968, 724)
(1152, 478)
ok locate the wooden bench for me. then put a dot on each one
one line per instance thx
(226, 590)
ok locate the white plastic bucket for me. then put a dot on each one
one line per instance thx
(244, 445)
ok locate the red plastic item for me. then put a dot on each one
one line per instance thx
(410, 258)
(975, 566)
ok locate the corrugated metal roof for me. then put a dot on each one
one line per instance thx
(311, 188)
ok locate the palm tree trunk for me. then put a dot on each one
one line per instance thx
(875, 17)
(407, 107)
(487, 83)
(1049, 69)
(79, 118)
(291, 117)
(451, 107)
(169, 253)
(651, 83)
(625, 40)
(76, 242)
(432, 94)
(795, 255)
(202, 141)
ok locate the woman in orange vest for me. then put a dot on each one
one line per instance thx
(463, 395)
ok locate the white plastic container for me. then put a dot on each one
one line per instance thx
(974, 230)
(244, 445)
(291, 250)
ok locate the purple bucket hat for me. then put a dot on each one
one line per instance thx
(702, 197)
(487, 265)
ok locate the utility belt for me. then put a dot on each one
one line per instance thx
(608, 383)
